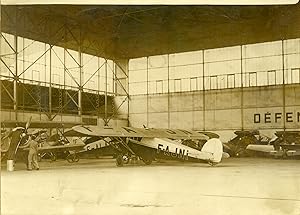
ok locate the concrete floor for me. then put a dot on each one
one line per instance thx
(236, 186)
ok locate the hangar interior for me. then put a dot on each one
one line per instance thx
(208, 68)
(216, 69)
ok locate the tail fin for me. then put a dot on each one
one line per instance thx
(215, 147)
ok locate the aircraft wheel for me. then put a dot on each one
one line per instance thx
(39, 158)
(147, 161)
(212, 163)
(125, 159)
(75, 158)
(53, 157)
(70, 158)
(119, 160)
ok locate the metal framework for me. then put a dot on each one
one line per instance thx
(50, 98)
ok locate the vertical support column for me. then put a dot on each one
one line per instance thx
(65, 68)
(99, 89)
(169, 91)
(105, 96)
(242, 91)
(121, 68)
(128, 104)
(50, 83)
(80, 88)
(283, 85)
(127, 88)
(203, 92)
(99, 74)
(63, 88)
(115, 78)
(0, 82)
(16, 78)
(147, 91)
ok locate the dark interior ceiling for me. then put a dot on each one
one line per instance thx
(122, 32)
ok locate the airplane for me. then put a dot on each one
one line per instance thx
(285, 144)
(237, 147)
(16, 141)
(96, 146)
(149, 144)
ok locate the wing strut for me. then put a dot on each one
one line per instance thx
(125, 145)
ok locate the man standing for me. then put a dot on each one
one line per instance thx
(32, 155)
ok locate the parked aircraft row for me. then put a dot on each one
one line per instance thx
(126, 143)
(249, 142)
(147, 144)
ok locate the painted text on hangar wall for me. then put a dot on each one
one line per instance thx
(276, 117)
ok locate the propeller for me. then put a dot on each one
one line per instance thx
(24, 135)
(28, 123)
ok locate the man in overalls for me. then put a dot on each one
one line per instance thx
(32, 155)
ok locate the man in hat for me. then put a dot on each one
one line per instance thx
(33, 153)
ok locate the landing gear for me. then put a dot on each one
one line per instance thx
(134, 160)
(147, 161)
(71, 158)
(119, 160)
(212, 163)
(50, 155)
(53, 157)
(125, 159)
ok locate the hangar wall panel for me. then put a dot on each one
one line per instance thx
(197, 101)
(263, 97)
(138, 119)
(182, 119)
(292, 97)
(227, 100)
(158, 120)
(198, 120)
(138, 104)
(158, 103)
(223, 109)
(229, 119)
(181, 102)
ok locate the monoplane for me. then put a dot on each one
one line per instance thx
(149, 144)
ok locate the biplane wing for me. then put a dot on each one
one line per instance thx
(66, 147)
(287, 133)
(38, 124)
(260, 148)
(284, 150)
